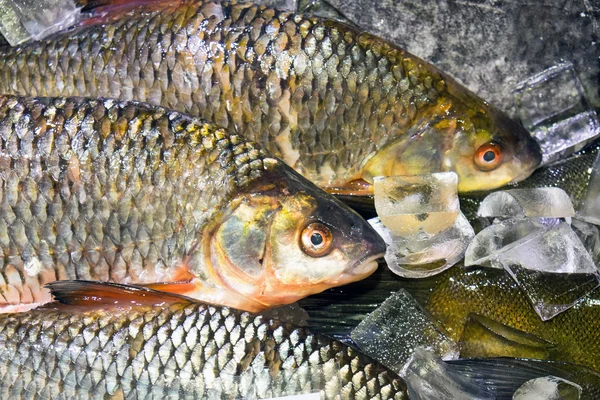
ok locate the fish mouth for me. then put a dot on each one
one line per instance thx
(361, 269)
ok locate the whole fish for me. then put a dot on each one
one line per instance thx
(338, 105)
(120, 342)
(126, 192)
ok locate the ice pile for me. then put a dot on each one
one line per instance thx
(548, 388)
(23, 20)
(428, 378)
(552, 105)
(392, 332)
(546, 257)
(588, 208)
(420, 220)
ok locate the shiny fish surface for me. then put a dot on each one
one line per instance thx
(177, 351)
(125, 192)
(338, 105)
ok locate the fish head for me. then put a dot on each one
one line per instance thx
(283, 239)
(489, 149)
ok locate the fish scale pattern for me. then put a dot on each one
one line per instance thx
(316, 93)
(177, 352)
(110, 191)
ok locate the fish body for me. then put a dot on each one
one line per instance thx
(571, 336)
(126, 192)
(177, 350)
(338, 105)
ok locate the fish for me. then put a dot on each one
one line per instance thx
(125, 192)
(103, 340)
(338, 105)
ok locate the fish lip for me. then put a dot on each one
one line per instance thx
(364, 267)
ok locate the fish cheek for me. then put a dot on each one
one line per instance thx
(242, 238)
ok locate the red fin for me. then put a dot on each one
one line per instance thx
(356, 187)
(104, 11)
(90, 294)
(177, 288)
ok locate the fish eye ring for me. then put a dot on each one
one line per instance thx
(316, 239)
(488, 156)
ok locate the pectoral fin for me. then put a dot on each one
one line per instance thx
(89, 294)
(484, 337)
(357, 187)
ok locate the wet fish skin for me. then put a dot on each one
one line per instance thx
(126, 192)
(180, 350)
(334, 103)
(493, 294)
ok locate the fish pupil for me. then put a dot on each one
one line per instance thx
(489, 156)
(316, 239)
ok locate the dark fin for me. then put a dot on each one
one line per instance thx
(89, 294)
(484, 337)
(357, 187)
(104, 11)
(506, 375)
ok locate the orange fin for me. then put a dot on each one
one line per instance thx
(357, 187)
(177, 288)
(90, 294)
(105, 11)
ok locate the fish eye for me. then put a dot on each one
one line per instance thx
(316, 239)
(488, 156)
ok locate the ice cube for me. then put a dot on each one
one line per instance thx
(589, 236)
(553, 269)
(409, 204)
(588, 209)
(420, 254)
(540, 202)
(548, 388)
(499, 237)
(23, 20)
(429, 378)
(552, 105)
(391, 332)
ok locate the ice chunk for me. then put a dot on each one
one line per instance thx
(23, 20)
(409, 204)
(548, 388)
(553, 269)
(552, 105)
(540, 202)
(429, 378)
(391, 332)
(499, 237)
(589, 236)
(420, 254)
(588, 208)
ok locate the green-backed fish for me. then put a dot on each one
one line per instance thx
(106, 341)
(338, 105)
(126, 192)
(488, 313)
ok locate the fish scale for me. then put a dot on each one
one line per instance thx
(178, 351)
(318, 94)
(63, 213)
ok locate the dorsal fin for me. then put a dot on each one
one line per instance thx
(104, 11)
(89, 294)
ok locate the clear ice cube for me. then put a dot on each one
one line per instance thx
(552, 105)
(485, 249)
(23, 20)
(553, 269)
(420, 254)
(540, 202)
(588, 209)
(429, 378)
(548, 388)
(589, 236)
(413, 203)
(392, 332)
